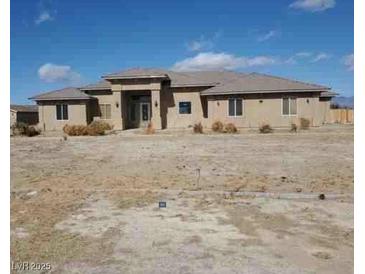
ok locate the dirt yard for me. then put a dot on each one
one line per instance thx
(90, 204)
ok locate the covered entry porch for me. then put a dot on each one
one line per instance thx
(138, 108)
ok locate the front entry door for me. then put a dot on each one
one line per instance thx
(145, 114)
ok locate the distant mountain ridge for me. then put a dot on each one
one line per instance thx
(343, 101)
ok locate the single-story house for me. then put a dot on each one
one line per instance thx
(24, 113)
(169, 99)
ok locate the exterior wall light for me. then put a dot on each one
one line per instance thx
(117, 104)
(156, 104)
(260, 101)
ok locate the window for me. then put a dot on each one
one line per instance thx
(185, 107)
(62, 112)
(105, 110)
(289, 106)
(235, 107)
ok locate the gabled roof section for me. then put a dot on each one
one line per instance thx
(24, 108)
(178, 79)
(69, 93)
(137, 73)
(101, 85)
(262, 83)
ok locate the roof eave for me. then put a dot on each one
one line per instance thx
(95, 88)
(206, 93)
(59, 99)
(116, 77)
(194, 85)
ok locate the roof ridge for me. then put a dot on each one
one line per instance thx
(287, 79)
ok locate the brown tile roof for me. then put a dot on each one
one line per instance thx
(262, 83)
(69, 93)
(101, 85)
(217, 82)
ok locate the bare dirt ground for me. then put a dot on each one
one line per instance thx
(90, 204)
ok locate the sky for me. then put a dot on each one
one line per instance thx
(55, 44)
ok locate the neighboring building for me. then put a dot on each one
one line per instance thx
(24, 113)
(169, 99)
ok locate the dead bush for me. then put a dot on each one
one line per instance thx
(19, 128)
(24, 129)
(76, 130)
(101, 125)
(217, 126)
(31, 131)
(150, 129)
(98, 128)
(294, 127)
(198, 128)
(304, 123)
(265, 128)
(230, 128)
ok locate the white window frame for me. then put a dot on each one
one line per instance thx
(282, 104)
(62, 106)
(235, 106)
(105, 112)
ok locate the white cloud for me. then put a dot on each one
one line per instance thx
(46, 11)
(267, 36)
(299, 55)
(218, 61)
(348, 61)
(303, 54)
(203, 43)
(320, 57)
(200, 44)
(313, 5)
(55, 73)
(43, 17)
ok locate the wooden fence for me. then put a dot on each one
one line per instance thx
(341, 115)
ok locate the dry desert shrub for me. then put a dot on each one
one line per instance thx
(198, 128)
(101, 125)
(98, 128)
(94, 129)
(24, 129)
(75, 130)
(217, 126)
(293, 127)
(265, 128)
(304, 123)
(230, 128)
(150, 129)
(32, 131)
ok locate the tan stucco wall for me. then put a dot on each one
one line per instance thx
(48, 120)
(268, 111)
(171, 101)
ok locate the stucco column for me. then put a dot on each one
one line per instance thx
(117, 107)
(156, 108)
